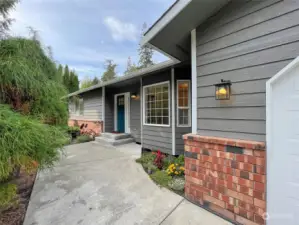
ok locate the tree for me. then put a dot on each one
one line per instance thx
(131, 67)
(5, 21)
(66, 77)
(109, 74)
(95, 81)
(73, 82)
(86, 82)
(145, 53)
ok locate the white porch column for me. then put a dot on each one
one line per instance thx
(103, 108)
(173, 109)
(141, 112)
(194, 81)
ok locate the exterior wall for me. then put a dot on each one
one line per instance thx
(92, 107)
(246, 43)
(155, 137)
(134, 109)
(95, 126)
(181, 74)
(227, 176)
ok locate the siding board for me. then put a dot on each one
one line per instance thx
(250, 127)
(253, 19)
(264, 29)
(247, 100)
(245, 74)
(287, 51)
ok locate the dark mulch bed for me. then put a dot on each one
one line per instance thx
(16, 214)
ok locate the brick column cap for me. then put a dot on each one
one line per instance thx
(226, 141)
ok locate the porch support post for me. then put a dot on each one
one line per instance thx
(173, 109)
(103, 108)
(141, 112)
(194, 81)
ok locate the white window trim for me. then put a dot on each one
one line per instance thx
(169, 96)
(127, 111)
(177, 103)
(77, 112)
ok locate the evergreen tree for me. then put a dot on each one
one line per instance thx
(131, 67)
(66, 77)
(73, 82)
(145, 52)
(5, 21)
(109, 74)
(95, 81)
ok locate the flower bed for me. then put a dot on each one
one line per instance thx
(165, 170)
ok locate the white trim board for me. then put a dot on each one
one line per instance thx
(189, 103)
(155, 84)
(127, 111)
(173, 109)
(194, 81)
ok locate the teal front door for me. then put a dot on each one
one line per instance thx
(121, 114)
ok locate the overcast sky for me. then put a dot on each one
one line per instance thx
(83, 33)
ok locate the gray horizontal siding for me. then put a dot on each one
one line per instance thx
(246, 43)
(154, 137)
(109, 112)
(92, 106)
(179, 141)
(157, 138)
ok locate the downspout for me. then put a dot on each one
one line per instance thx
(173, 109)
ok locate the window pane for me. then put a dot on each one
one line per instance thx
(157, 104)
(165, 120)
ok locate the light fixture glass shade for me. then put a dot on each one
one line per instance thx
(223, 90)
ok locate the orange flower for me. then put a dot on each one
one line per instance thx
(35, 164)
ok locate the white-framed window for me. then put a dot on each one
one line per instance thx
(80, 107)
(156, 104)
(183, 103)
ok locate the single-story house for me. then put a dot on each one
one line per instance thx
(232, 92)
(153, 105)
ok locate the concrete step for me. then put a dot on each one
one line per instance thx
(115, 136)
(112, 142)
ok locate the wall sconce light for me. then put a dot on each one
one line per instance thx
(134, 96)
(223, 90)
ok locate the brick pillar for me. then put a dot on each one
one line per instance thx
(227, 176)
(95, 126)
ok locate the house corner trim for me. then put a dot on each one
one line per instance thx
(194, 81)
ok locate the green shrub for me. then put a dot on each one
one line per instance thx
(150, 168)
(24, 140)
(161, 178)
(146, 158)
(180, 160)
(177, 184)
(83, 138)
(73, 129)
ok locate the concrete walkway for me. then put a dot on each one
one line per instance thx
(94, 184)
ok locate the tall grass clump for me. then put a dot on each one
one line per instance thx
(29, 81)
(32, 111)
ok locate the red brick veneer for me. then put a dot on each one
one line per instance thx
(227, 176)
(95, 126)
